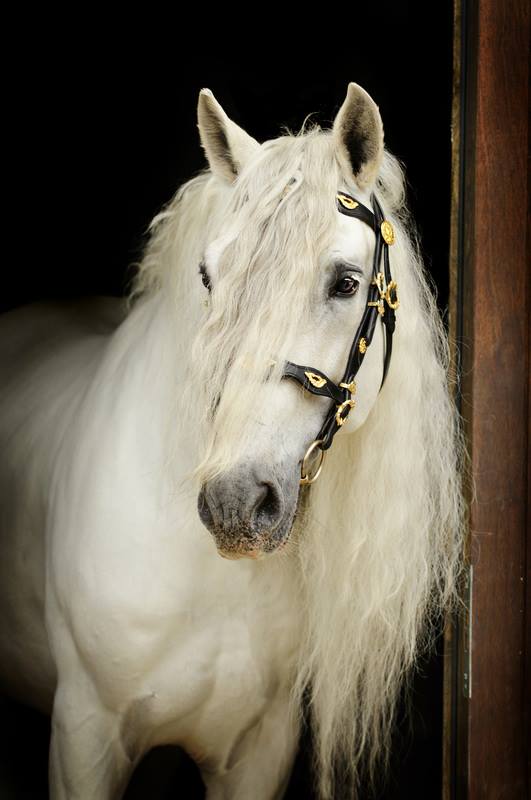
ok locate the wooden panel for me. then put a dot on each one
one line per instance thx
(490, 755)
(451, 686)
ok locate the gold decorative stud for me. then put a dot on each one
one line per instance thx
(346, 201)
(315, 380)
(362, 345)
(387, 232)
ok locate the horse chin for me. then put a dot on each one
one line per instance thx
(256, 548)
(235, 556)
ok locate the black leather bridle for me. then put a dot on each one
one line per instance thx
(382, 301)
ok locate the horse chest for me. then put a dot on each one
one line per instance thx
(200, 654)
(230, 659)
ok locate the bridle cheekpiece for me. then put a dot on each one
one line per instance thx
(382, 302)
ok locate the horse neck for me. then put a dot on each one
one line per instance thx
(140, 376)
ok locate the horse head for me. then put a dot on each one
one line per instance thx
(286, 275)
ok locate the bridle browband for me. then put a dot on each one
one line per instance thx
(382, 301)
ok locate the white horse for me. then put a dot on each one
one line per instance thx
(120, 616)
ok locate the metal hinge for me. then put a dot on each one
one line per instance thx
(467, 634)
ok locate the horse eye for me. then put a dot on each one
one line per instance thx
(346, 286)
(204, 276)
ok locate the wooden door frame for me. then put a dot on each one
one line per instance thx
(487, 647)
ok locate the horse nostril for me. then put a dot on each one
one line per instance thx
(268, 508)
(205, 514)
(243, 504)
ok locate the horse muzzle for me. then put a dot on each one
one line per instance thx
(249, 512)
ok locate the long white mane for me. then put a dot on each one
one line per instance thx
(378, 537)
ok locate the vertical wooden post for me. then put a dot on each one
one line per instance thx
(485, 710)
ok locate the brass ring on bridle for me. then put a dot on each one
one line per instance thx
(306, 474)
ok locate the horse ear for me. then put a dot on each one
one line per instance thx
(226, 145)
(358, 136)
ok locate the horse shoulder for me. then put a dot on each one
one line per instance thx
(44, 350)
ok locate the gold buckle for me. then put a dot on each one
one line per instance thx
(350, 403)
(340, 420)
(307, 477)
(385, 294)
(393, 286)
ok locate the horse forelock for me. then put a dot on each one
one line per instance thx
(281, 218)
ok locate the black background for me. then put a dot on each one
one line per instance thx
(101, 126)
(101, 130)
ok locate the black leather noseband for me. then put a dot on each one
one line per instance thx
(382, 301)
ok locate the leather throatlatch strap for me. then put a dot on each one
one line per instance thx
(382, 300)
